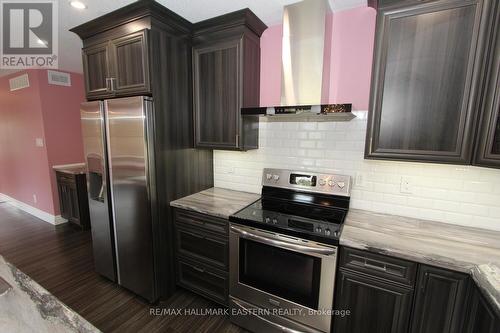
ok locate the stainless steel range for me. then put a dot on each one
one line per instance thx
(283, 252)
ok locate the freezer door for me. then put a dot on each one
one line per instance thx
(129, 180)
(93, 129)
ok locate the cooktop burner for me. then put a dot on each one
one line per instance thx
(314, 212)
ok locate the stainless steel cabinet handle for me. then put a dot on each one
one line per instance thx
(199, 269)
(108, 84)
(376, 267)
(278, 326)
(284, 244)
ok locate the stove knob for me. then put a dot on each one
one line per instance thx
(269, 176)
(318, 229)
(327, 232)
(276, 178)
(322, 182)
(331, 183)
(267, 219)
(341, 184)
(275, 221)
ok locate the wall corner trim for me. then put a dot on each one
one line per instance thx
(44, 216)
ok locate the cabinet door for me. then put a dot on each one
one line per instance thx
(217, 94)
(488, 149)
(440, 301)
(482, 317)
(130, 64)
(427, 65)
(73, 204)
(96, 70)
(375, 305)
(64, 201)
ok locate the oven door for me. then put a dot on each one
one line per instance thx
(277, 272)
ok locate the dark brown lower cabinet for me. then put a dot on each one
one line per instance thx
(482, 318)
(375, 305)
(73, 200)
(441, 299)
(202, 254)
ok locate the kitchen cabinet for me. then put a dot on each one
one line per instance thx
(481, 315)
(377, 290)
(488, 147)
(441, 298)
(202, 254)
(117, 67)
(73, 201)
(427, 73)
(226, 77)
(375, 305)
(96, 70)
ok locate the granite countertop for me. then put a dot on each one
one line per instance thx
(465, 249)
(73, 169)
(216, 201)
(26, 307)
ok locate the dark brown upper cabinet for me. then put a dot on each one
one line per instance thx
(117, 67)
(426, 79)
(488, 147)
(96, 70)
(226, 77)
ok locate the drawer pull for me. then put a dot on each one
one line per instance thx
(199, 269)
(274, 302)
(199, 236)
(377, 267)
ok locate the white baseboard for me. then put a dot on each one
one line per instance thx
(44, 216)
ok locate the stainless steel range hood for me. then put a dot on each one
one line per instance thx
(305, 63)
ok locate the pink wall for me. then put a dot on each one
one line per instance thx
(45, 111)
(350, 65)
(61, 120)
(25, 167)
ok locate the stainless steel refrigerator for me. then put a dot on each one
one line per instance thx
(117, 135)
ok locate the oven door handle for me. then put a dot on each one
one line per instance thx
(284, 244)
(278, 326)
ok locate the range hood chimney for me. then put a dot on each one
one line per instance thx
(305, 65)
(305, 40)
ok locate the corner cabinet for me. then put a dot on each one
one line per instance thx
(482, 317)
(117, 67)
(226, 77)
(427, 73)
(488, 148)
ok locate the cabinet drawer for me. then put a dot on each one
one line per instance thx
(200, 221)
(203, 246)
(393, 269)
(208, 282)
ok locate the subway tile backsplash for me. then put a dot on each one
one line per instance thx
(462, 195)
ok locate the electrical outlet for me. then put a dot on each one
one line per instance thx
(406, 185)
(361, 179)
(35, 200)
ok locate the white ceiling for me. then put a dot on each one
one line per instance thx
(270, 11)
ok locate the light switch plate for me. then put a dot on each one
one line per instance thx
(39, 142)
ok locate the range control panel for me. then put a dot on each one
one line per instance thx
(307, 181)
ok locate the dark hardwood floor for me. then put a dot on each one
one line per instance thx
(60, 260)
